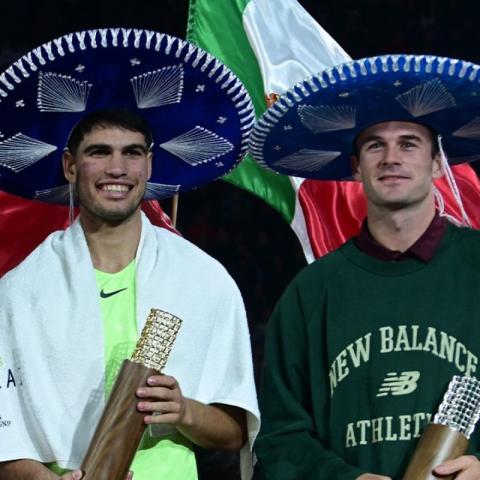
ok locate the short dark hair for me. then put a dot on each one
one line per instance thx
(433, 138)
(110, 117)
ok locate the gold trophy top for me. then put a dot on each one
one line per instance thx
(156, 340)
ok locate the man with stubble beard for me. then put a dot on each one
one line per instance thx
(362, 345)
(86, 292)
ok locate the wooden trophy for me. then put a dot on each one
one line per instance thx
(121, 425)
(447, 436)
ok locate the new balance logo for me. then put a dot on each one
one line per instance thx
(402, 384)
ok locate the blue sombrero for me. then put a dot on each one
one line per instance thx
(199, 111)
(309, 132)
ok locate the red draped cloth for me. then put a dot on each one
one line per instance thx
(333, 212)
(24, 224)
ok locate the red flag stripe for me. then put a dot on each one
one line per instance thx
(334, 211)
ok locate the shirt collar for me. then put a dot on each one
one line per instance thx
(423, 249)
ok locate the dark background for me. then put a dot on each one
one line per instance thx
(246, 235)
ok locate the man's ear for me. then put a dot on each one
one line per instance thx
(355, 164)
(149, 159)
(69, 167)
(437, 168)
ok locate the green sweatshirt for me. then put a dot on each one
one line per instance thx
(359, 354)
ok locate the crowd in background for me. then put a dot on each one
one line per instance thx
(252, 240)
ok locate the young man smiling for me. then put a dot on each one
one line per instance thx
(109, 166)
(86, 292)
(362, 345)
(396, 164)
(110, 169)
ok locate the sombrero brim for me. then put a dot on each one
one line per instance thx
(200, 113)
(309, 132)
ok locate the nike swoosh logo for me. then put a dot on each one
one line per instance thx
(109, 294)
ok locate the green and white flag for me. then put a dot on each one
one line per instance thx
(217, 26)
(270, 45)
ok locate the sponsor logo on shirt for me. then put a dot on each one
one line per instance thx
(391, 428)
(104, 294)
(402, 384)
(386, 342)
(8, 379)
(4, 423)
(401, 338)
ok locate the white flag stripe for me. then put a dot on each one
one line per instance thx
(288, 43)
(290, 46)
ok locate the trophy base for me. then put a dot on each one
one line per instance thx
(120, 428)
(437, 444)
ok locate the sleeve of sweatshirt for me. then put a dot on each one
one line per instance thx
(293, 442)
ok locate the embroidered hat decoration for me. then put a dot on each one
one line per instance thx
(309, 132)
(199, 112)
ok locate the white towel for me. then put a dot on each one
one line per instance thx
(51, 341)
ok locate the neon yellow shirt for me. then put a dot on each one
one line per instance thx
(169, 456)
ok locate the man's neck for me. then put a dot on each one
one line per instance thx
(398, 230)
(112, 247)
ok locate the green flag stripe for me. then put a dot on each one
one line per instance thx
(216, 26)
(208, 23)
